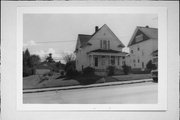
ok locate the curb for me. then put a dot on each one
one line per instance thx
(86, 86)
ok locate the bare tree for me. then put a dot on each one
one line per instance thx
(68, 57)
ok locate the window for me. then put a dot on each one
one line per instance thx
(138, 60)
(100, 43)
(138, 48)
(142, 64)
(104, 44)
(132, 51)
(96, 61)
(108, 44)
(118, 60)
(103, 60)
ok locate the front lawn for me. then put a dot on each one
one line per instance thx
(36, 81)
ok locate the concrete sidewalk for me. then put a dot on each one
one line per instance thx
(86, 86)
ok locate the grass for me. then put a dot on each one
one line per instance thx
(34, 81)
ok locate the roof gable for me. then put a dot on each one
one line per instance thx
(84, 39)
(145, 33)
(110, 31)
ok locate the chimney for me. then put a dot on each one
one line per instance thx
(147, 26)
(96, 28)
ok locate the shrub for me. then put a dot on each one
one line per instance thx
(70, 69)
(139, 71)
(86, 80)
(71, 73)
(28, 71)
(111, 70)
(62, 73)
(126, 69)
(88, 71)
(150, 66)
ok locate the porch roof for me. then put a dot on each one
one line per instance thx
(107, 52)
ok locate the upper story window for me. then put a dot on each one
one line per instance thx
(132, 51)
(139, 38)
(104, 44)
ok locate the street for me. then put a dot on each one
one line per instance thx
(139, 93)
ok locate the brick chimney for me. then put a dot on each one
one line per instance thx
(96, 28)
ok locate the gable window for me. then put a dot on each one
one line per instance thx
(101, 44)
(104, 44)
(108, 44)
(139, 38)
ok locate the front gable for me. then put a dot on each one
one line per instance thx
(142, 34)
(104, 33)
(139, 37)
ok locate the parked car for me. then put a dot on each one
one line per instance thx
(154, 74)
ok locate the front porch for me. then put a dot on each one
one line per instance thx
(101, 61)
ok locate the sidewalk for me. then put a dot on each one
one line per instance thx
(86, 86)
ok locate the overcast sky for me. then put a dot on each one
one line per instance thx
(40, 30)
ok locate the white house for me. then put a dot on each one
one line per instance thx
(143, 43)
(99, 50)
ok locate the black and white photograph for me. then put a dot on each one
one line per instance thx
(90, 58)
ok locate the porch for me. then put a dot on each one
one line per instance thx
(100, 60)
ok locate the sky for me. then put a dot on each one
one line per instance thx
(57, 33)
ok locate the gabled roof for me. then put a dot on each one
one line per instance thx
(150, 33)
(84, 38)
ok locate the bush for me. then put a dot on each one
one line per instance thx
(139, 71)
(126, 69)
(86, 80)
(150, 66)
(111, 70)
(62, 73)
(71, 69)
(88, 71)
(71, 73)
(27, 71)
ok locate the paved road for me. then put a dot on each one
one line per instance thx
(131, 94)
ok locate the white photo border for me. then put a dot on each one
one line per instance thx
(162, 56)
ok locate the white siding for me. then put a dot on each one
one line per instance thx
(143, 54)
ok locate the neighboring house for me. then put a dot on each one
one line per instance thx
(143, 43)
(99, 50)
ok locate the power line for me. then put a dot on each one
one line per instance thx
(55, 41)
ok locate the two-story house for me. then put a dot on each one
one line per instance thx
(99, 50)
(143, 43)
